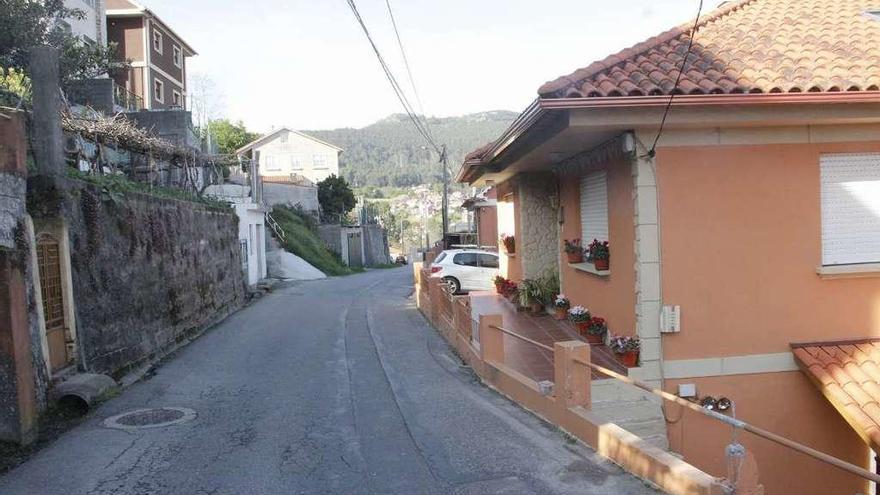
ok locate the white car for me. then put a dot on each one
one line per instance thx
(466, 269)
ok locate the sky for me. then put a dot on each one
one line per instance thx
(306, 64)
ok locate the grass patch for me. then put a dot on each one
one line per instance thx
(301, 239)
(385, 266)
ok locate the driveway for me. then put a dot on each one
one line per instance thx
(331, 386)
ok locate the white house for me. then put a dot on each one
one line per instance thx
(288, 154)
(92, 28)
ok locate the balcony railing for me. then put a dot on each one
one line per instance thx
(124, 98)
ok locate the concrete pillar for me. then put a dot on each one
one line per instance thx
(47, 141)
(491, 339)
(571, 379)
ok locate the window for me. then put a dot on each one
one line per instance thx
(157, 41)
(272, 164)
(177, 55)
(159, 90)
(319, 161)
(850, 198)
(282, 138)
(488, 261)
(465, 259)
(296, 161)
(594, 207)
(441, 257)
(176, 98)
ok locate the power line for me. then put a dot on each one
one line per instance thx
(398, 91)
(412, 81)
(653, 149)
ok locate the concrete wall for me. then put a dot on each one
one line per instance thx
(146, 272)
(252, 232)
(291, 195)
(293, 153)
(96, 93)
(174, 126)
(538, 239)
(23, 379)
(375, 245)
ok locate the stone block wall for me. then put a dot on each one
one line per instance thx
(375, 245)
(146, 271)
(538, 225)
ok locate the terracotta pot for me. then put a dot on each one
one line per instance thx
(510, 246)
(630, 359)
(594, 338)
(601, 265)
(582, 327)
(537, 309)
(575, 257)
(560, 313)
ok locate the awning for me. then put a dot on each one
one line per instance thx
(848, 375)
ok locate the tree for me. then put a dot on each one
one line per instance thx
(28, 23)
(230, 136)
(336, 197)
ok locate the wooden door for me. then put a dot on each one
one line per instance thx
(49, 265)
(355, 255)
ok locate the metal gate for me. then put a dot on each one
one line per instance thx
(49, 265)
(355, 253)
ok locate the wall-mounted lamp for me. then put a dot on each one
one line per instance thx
(712, 404)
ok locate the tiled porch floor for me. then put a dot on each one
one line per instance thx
(528, 359)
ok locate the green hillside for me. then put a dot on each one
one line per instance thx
(391, 152)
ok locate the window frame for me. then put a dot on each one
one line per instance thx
(834, 169)
(158, 41)
(159, 85)
(475, 256)
(497, 261)
(177, 56)
(586, 238)
(176, 98)
(319, 164)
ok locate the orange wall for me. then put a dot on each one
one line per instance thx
(783, 403)
(741, 240)
(511, 266)
(613, 297)
(488, 225)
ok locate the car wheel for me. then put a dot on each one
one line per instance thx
(453, 285)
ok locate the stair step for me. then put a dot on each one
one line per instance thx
(628, 411)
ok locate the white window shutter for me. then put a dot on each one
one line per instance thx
(850, 208)
(594, 207)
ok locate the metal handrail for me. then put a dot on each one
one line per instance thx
(279, 232)
(736, 423)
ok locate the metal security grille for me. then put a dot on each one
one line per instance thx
(50, 282)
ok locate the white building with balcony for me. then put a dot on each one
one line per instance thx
(92, 28)
(288, 155)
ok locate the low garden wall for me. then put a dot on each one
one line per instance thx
(480, 344)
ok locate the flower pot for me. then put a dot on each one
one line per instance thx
(601, 265)
(510, 245)
(594, 338)
(537, 309)
(575, 257)
(560, 313)
(630, 359)
(582, 327)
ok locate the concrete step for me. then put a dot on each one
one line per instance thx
(628, 411)
(630, 408)
(613, 390)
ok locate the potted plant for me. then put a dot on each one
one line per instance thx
(509, 243)
(626, 349)
(580, 316)
(531, 295)
(574, 251)
(499, 282)
(600, 254)
(509, 290)
(596, 330)
(560, 306)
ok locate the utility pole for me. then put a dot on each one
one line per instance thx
(445, 202)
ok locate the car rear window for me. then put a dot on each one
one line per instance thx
(488, 261)
(465, 259)
(440, 258)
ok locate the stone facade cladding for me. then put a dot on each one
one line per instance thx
(147, 272)
(539, 225)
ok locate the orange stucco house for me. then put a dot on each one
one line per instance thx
(755, 219)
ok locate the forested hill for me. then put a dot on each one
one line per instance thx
(391, 152)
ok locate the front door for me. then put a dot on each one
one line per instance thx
(355, 255)
(49, 265)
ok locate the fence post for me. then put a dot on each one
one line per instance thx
(572, 380)
(491, 339)
(46, 89)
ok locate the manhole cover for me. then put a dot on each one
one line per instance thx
(150, 418)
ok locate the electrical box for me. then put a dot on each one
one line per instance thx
(687, 390)
(670, 319)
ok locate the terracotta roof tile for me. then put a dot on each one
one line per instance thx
(745, 46)
(849, 377)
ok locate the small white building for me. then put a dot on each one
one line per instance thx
(92, 28)
(288, 154)
(251, 228)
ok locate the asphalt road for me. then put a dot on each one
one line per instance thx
(332, 386)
